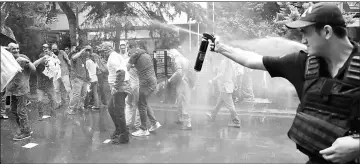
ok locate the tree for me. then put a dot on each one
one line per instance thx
(26, 19)
(68, 8)
(291, 11)
(245, 20)
(145, 13)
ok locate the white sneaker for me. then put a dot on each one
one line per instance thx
(140, 133)
(45, 116)
(154, 127)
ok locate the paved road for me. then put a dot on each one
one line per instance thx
(79, 139)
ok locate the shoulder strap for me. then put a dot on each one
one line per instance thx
(352, 74)
(312, 68)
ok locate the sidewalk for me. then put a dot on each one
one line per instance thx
(248, 108)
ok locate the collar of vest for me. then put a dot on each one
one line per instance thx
(352, 68)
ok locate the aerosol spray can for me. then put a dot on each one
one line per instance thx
(202, 50)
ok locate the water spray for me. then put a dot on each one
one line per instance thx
(172, 27)
(202, 50)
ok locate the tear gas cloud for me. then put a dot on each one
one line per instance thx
(263, 85)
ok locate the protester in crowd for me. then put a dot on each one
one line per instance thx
(45, 82)
(131, 110)
(79, 79)
(225, 82)
(147, 79)
(64, 80)
(93, 94)
(102, 74)
(181, 80)
(18, 89)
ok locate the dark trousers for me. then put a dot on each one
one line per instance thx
(104, 88)
(116, 109)
(145, 111)
(18, 109)
(92, 98)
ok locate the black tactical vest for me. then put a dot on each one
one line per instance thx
(330, 108)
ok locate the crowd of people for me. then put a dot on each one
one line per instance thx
(82, 80)
(91, 78)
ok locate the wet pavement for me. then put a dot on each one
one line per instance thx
(79, 139)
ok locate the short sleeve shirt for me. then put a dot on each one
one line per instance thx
(91, 67)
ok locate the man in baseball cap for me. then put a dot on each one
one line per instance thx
(328, 62)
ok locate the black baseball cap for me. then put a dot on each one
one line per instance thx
(319, 13)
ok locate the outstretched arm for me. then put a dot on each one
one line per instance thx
(246, 58)
(271, 46)
(37, 62)
(32, 67)
(78, 54)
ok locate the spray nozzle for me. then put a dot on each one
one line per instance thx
(207, 36)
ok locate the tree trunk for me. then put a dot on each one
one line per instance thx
(117, 38)
(71, 19)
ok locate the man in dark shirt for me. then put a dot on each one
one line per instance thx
(18, 89)
(45, 84)
(79, 80)
(324, 34)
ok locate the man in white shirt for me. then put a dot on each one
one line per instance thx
(120, 88)
(91, 67)
(225, 82)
